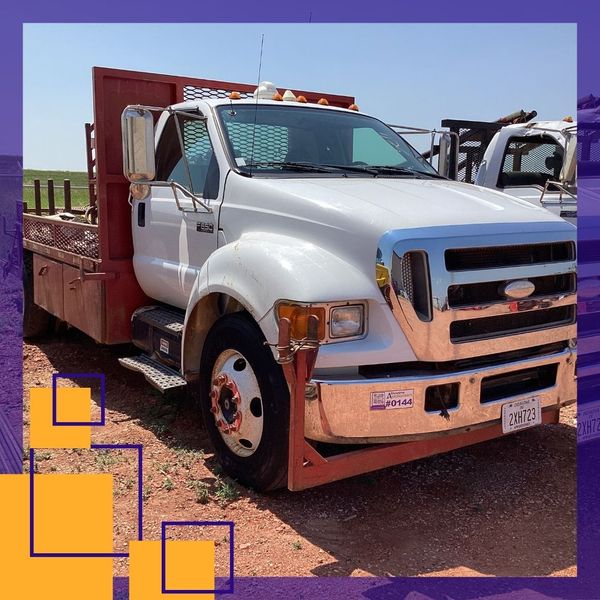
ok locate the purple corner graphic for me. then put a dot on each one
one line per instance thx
(11, 310)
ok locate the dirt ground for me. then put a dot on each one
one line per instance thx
(502, 508)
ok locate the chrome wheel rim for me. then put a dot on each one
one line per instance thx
(236, 403)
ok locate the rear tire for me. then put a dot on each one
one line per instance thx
(36, 321)
(250, 434)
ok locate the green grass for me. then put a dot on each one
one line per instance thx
(77, 178)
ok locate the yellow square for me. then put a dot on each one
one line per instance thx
(189, 565)
(73, 513)
(73, 404)
(47, 578)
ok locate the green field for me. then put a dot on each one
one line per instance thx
(79, 197)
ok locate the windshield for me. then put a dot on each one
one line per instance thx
(276, 139)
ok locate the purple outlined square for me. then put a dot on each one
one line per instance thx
(163, 555)
(34, 554)
(100, 376)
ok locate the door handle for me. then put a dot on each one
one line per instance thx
(141, 215)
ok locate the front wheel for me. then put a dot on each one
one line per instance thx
(245, 403)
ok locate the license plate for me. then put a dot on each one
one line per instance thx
(521, 414)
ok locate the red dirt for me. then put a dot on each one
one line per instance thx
(502, 508)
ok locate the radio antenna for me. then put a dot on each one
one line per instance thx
(262, 41)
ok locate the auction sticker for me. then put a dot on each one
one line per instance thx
(392, 399)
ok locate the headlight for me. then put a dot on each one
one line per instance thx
(347, 321)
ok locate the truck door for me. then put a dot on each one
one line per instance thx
(173, 237)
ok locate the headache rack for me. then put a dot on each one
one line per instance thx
(83, 261)
(471, 141)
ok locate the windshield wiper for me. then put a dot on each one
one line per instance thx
(405, 171)
(291, 165)
(355, 168)
(383, 169)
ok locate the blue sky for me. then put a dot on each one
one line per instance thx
(413, 74)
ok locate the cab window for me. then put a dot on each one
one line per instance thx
(203, 176)
(530, 160)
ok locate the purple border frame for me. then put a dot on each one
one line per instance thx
(163, 555)
(587, 17)
(100, 376)
(140, 520)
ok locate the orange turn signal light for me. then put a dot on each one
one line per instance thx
(323, 101)
(353, 107)
(301, 99)
(235, 96)
(277, 96)
(299, 319)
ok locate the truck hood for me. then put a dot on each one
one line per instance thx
(387, 203)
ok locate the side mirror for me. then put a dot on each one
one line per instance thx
(137, 129)
(444, 154)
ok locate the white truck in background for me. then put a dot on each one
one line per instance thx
(530, 159)
(537, 162)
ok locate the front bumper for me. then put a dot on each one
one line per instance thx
(339, 410)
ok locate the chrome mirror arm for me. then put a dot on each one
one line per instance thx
(177, 187)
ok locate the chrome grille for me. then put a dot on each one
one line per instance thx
(493, 257)
(487, 292)
(465, 277)
(402, 276)
(469, 330)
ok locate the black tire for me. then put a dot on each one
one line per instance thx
(266, 468)
(36, 321)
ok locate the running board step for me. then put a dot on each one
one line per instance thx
(158, 331)
(158, 375)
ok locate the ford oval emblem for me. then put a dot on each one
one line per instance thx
(516, 290)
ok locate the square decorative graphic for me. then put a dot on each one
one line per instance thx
(191, 562)
(176, 576)
(73, 513)
(50, 521)
(53, 578)
(44, 434)
(55, 404)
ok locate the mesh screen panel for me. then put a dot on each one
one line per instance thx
(470, 155)
(196, 140)
(71, 237)
(270, 142)
(191, 92)
(529, 157)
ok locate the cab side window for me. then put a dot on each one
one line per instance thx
(530, 160)
(203, 176)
